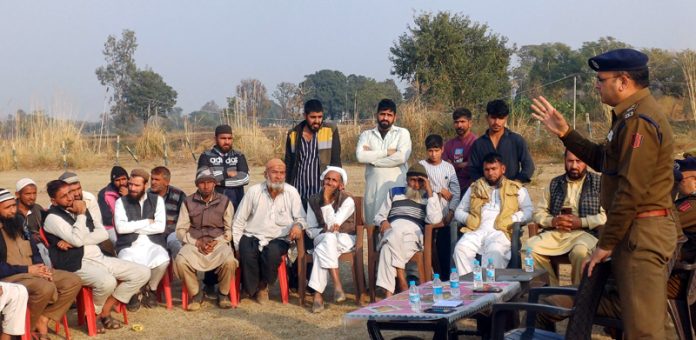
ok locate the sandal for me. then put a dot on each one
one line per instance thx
(100, 326)
(40, 336)
(109, 322)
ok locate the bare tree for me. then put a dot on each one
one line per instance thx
(253, 97)
(687, 61)
(289, 97)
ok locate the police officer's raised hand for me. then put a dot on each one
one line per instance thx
(549, 116)
(599, 255)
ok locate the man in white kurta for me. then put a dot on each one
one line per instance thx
(384, 150)
(489, 208)
(569, 215)
(140, 219)
(402, 219)
(269, 218)
(71, 221)
(13, 306)
(331, 224)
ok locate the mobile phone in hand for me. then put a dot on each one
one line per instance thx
(566, 211)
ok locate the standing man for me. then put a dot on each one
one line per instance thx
(173, 197)
(384, 150)
(499, 139)
(310, 147)
(228, 165)
(51, 292)
(636, 163)
(205, 228)
(458, 149)
(107, 196)
(269, 218)
(140, 219)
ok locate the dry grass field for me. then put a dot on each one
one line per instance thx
(250, 320)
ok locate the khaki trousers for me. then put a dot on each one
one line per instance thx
(576, 255)
(49, 298)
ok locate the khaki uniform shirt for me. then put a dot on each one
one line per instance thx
(635, 161)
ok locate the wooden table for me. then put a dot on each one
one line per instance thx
(395, 312)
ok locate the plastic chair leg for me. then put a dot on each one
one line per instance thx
(184, 297)
(27, 327)
(283, 280)
(165, 286)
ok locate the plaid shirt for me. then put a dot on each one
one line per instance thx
(173, 200)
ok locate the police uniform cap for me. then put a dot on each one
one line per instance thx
(623, 59)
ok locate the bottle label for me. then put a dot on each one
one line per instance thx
(529, 262)
(478, 276)
(414, 298)
(454, 284)
(437, 290)
(490, 273)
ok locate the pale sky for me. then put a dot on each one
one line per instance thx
(50, 49)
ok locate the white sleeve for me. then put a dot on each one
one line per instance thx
(433, 210)
(383, 212)
(341, 214)
(313, 229)
(121, 223)
(73, 234)
(367, 156)
(524, 215)
(403, 151)
(462, 212)
(160, 220)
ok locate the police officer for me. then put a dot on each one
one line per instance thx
(229, 166)
(636, 164)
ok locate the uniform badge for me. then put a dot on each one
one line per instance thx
(684, 206)
(629, 112)
(595, 64)
(637, 140)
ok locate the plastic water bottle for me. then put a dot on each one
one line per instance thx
(528, 261)
(414, 297)
(454, 283)
(437, 288)
(478, 275)
(490, 271)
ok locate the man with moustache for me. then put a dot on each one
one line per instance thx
(140, 220)
(269, 217)
(401, 220)
(518, 162)
(488, 210)
(310, 147)
(173, 197)
(107, 196)
(74, 236)
(384, 150)
(331, 225)
(204, 228)
(571, 232)
(31, 213)
(228, 165)
(51, 292)
(458, 149)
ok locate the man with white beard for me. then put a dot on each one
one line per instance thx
(269, 217)
(401, 220)
(488, 210)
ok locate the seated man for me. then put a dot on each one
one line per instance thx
(13, 307)
(568, 232)
(205, 228)
(50, 292)
(270, 216)
(173, 199)
(331, 224)
(107, 196)
(140, 219)
(488, 210)
(31, 213)
(401, 220)
(74, 235)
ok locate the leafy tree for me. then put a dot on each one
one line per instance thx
(148, 95)
(453, 60)
(665, 74)
(545, 63)
(364, 93)
(119, 69)
(331, 88)
(290, 99)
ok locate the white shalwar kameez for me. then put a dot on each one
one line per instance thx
(142, 250)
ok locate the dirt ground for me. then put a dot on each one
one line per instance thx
(250, 320)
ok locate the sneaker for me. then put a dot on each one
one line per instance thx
(223, 301)
(196, 302)
(134, 303)
(149, 299)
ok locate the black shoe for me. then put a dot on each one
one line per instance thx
(149, 298)
(134, 303)
(223, 301)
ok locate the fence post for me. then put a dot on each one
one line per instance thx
(589, 124)
(64, 151)
(14, 157)
(118, 148)
(164, 147)
(135, 158)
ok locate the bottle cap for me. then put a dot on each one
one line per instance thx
(453, 270)
(411, 283)
(490, 260)
(476, 262)
(436, 276)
